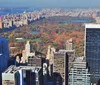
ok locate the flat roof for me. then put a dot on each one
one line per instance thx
(79, 59)
(13, 69)
(92, 25)
(62, 50)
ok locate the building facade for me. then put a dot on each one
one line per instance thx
(71, 57)
(69, 44)
(60, 66)
(1, 23)
(49, 59)
(4, 55)
(27, 52)
(22, 75)
(35, 61)
(92, 50)
(78, 74)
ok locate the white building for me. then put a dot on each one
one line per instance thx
(27, 52)
(69, 44)
(22, 75)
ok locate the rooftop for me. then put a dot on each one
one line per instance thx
(66, 50)
(13, 69)
(92, 25)
(80, 59)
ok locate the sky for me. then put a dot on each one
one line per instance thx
(51, 3)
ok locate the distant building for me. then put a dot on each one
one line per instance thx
(35, 61)
(69, 44)
(92, 51)
(60, 66)
(11, 23)
(38, 61)
(4, 56)
(8, 24)
(62, 61)
(25, 19)
(97, 20)
(23, 75)
(18, 61)
(71, 57)
(27, 52)
(1, 23)
(70, 51)
(79, 74)
(49, 58)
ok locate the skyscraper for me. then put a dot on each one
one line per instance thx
(25, 18)
(1, 23)
(35, 61)
(69, 44)
(22, 75)
(92, 50)
(71, 57)
(27, 52)
(4, 55)
(60, 66)
(62, 62)
(79, 74)
(49, 58)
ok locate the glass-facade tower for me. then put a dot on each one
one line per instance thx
(92, 50)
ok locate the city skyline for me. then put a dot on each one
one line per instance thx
(49, 42)
(51, 3)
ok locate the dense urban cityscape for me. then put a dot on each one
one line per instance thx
(50, 47)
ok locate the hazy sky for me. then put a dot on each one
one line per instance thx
(50, 3)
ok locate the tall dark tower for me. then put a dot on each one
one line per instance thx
(92, 51)
(4, 56)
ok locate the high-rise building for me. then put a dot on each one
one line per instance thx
(35, 61)
(45, 74)
(25, 19)
(22, 75)
(49, 58)
(27, 52)
(69, 44)
(70, 51)
(62, 61)
(1, 23)
(9, 77)
(79, 74)
(11, 23)
(60, 66)
(92, 50)
(4, 55)
(71, 57)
